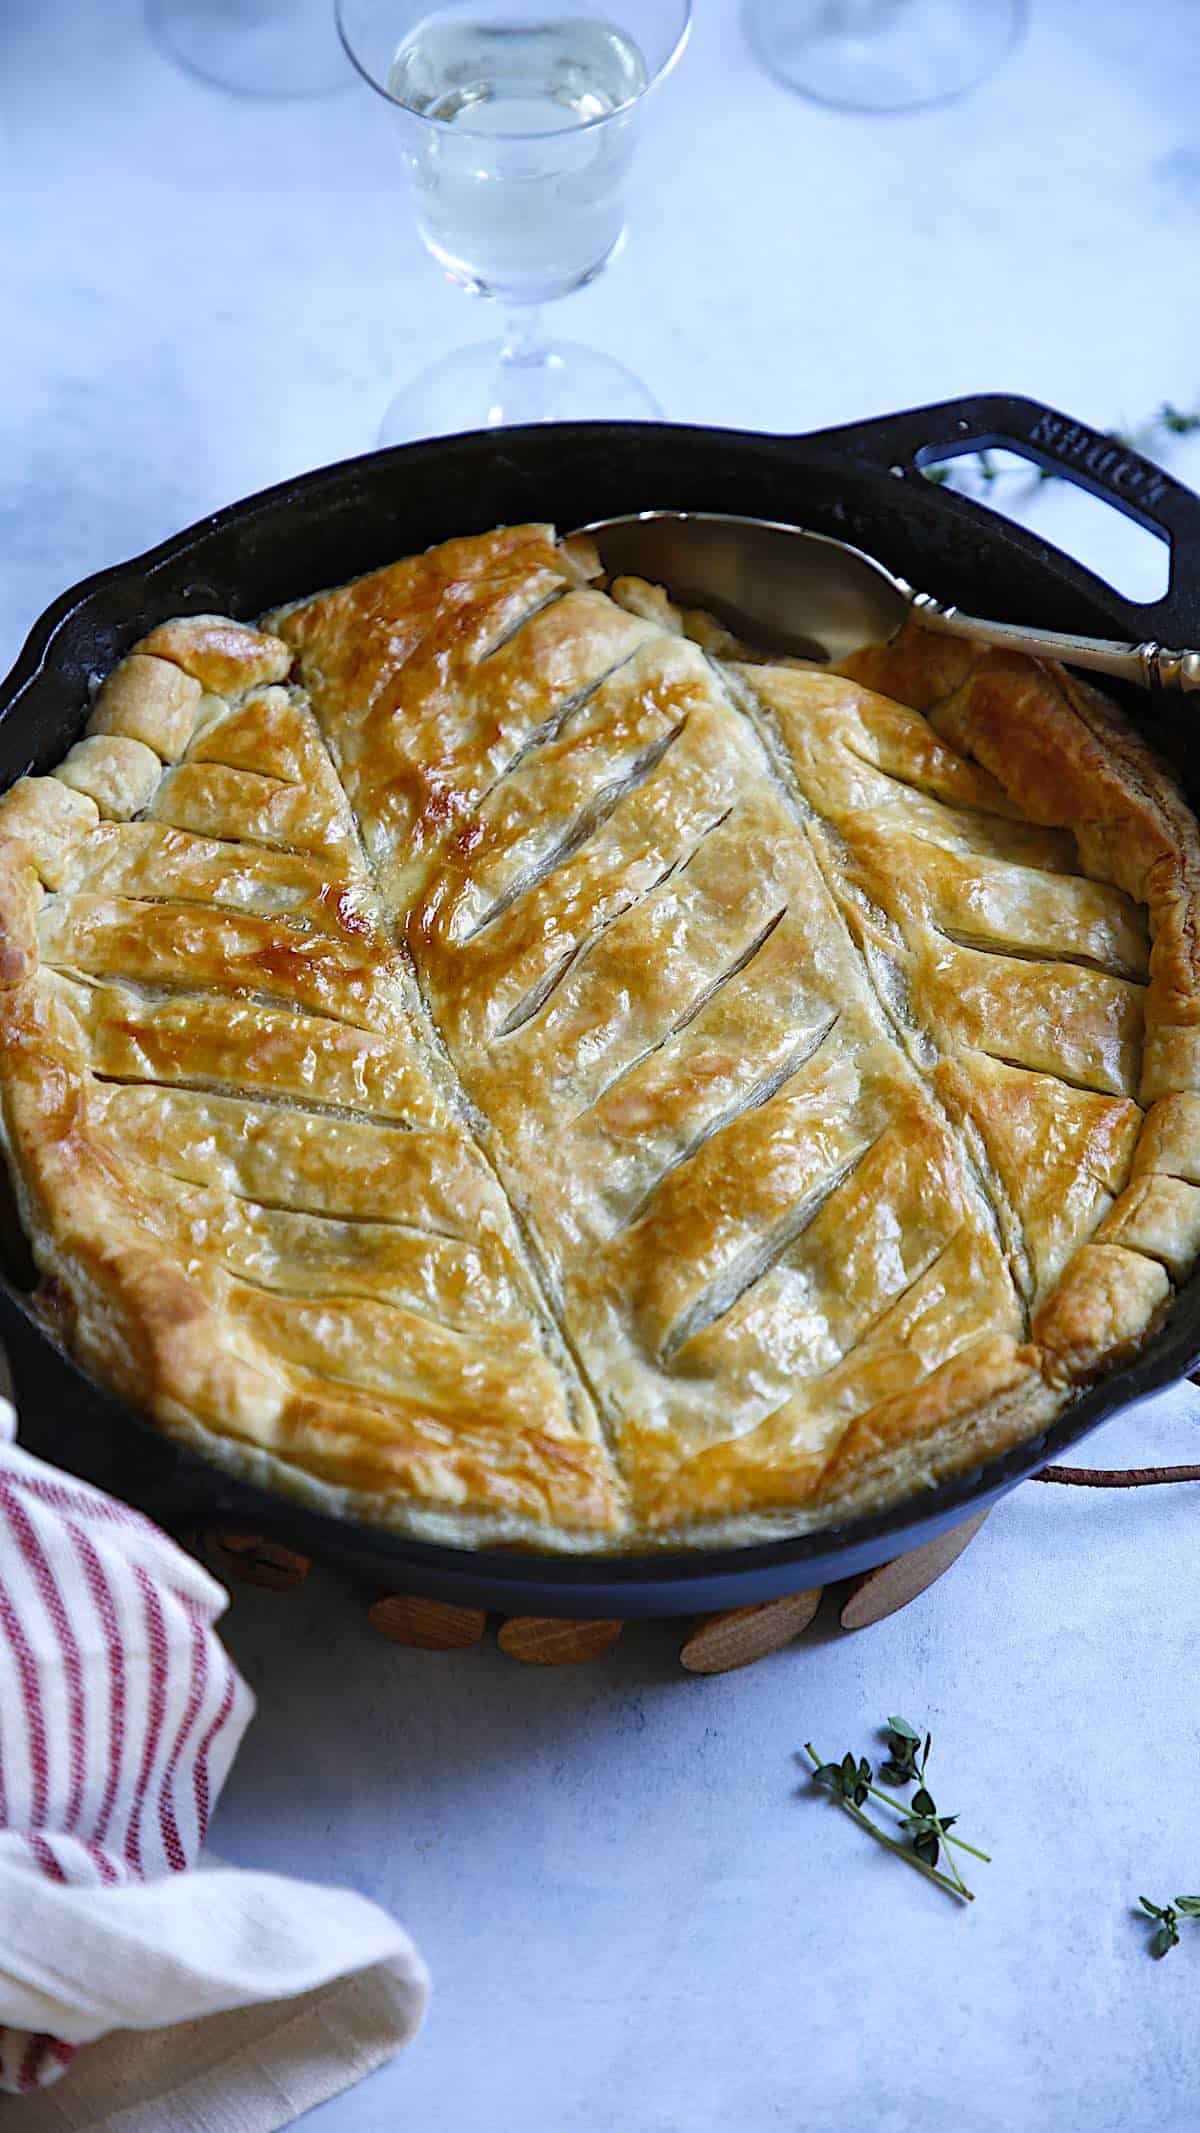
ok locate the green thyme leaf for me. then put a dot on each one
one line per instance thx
(903, 1731)
(1166, 1933)
(903, 1741)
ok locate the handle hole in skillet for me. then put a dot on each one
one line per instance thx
(1131, 558)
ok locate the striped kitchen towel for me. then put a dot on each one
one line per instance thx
(120, 1714)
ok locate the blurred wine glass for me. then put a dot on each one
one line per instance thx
(517, 124)
(884, 55)
(255, 47)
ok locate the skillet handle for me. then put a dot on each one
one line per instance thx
(923, 436)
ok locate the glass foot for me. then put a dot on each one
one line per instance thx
(255, 47)
(481, 388)
(885, 55)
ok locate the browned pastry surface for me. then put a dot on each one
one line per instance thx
(480, 1057)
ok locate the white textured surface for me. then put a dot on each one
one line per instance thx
(632, 1920)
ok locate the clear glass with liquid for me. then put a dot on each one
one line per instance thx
(519, 191)
(518, 123)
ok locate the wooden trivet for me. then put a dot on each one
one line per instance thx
(715, 1644)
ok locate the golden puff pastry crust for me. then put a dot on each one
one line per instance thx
(485, 1053)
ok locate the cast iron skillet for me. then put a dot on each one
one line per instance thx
(861, 483)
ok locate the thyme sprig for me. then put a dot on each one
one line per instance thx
(1176, 421)
(928, 1832)
(926, 1839)
(1166, 1932)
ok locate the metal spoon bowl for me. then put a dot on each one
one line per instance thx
(790, 592)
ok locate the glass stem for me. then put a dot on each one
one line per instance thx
(523, 335)
(520, 390)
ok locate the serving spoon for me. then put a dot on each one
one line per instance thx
(791, 592)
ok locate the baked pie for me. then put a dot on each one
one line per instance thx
(486, 1054)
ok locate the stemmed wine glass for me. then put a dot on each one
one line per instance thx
(884, 55)
(254, 47)
(517, 121)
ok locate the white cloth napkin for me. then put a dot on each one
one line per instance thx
(120, 1714)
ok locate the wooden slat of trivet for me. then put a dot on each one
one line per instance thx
(741, 1635)
(255, 1559)
(548, 1640)
(427, 1625)
(884, 1591)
